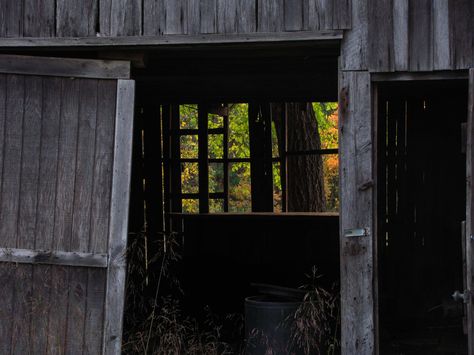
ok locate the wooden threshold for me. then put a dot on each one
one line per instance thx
(151, 42)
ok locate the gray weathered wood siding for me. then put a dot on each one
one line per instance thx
(56, 161)
(356, 212)
(90, 18)
(410, 35)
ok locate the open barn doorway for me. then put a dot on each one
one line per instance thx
(421, 206)
(215, 173)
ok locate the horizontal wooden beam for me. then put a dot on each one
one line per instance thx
(65, 67)
(409, 76)
(48, 257)
(170, 40)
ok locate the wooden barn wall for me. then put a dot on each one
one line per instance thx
(410, 35)
(72, 18)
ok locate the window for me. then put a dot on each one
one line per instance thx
(246, 157)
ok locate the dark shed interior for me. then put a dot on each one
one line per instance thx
(421, 206)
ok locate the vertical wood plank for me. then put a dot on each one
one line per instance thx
(194, 17)
(12, 151)
(94, 315)
(227, 16)
(48, 163)
(270, 15)
(11, 18)
(320, 14)
(207, 15)
(81, 216)
(246, 16)
(76, 18)
(40, 304)
(31, 141)
(30, 163)
(342, 15)
(7, 280)
(462, 13)
(420, 35)
(119, 216)
(125, 18)
(175, 17)
(76, 310)
(20, 344)
(39, 18)
(57, 320)
(400, 34)
(66, 165)
(355, 42)
(103, 160)
(81, 211)
(441, 35)
(357, 268)
(381, 48)
(293, 15)
(45, 211)
(104, 26)
(154, 19)
(100, 213)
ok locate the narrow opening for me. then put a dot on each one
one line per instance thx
(421, 206)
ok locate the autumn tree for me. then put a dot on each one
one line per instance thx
(305, 174)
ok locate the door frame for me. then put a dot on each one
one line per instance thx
(376, 80)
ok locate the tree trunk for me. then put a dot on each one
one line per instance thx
(305, 182)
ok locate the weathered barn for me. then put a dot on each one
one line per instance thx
(70, 72)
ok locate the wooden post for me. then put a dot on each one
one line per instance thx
(261, 157)
(356, 211)
(203, 156)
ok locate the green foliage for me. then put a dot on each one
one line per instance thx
(239, 147)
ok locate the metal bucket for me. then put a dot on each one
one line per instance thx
(268, 325)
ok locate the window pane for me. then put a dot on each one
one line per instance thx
(327, 116)
(275, 142)
(240, 198)
(331, 182)
(277, 192)
(216, 177)
(216, 206)
(215, 121)
(216, 146)
(239, 146)
(189, 178)
(189, 147)
(188, 116)
(190, 206)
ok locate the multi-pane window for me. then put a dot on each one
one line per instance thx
(244, 157)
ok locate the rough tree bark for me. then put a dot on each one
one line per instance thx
(305, 184)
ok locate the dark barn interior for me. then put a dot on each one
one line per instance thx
(222, 253)
(421, 206)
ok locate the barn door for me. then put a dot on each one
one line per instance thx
(65, 151)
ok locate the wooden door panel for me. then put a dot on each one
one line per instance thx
(65, 148)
